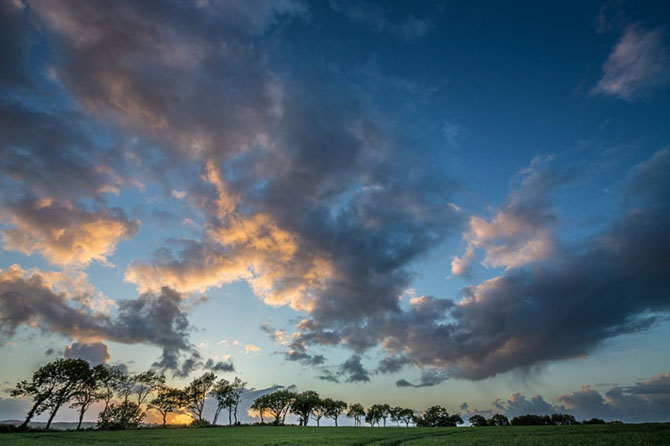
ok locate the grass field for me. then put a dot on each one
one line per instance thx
(605, 435)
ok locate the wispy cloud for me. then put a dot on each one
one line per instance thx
(639, 62)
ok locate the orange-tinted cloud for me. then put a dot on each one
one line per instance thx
(64, 233)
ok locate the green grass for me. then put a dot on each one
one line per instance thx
(606, 435)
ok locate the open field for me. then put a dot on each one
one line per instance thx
(605, 435)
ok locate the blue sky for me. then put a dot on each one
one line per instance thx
(421, 203)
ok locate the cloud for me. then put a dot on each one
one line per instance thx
(429, 378)
(323, 203)
(647, 400)
(639, 63)
(354, 370)
(95, 352)
(63, 233)
(219, 366)
(393, 364)
(519, 233)
(28, 299)
(517, 405)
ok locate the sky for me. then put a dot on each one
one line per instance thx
(416, 203)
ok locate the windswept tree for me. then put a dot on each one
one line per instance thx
(334, 408)
(110, 381)
(167, 399)
(70, 375)
(220, 391)
(233, 402)
(227, 395)
(193, 395)
(302, 405)
(146, 382)
(88, 392)
(356, 411)
(44, 382)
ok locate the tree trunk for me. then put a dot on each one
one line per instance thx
(230, 413)
(53, 414)
(317, 422)
(31, 413)
(335, 421)
(216, 414)
(165, 419)
(81, 416)
(235, 413)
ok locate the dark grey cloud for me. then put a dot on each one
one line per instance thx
(517, 404)
(49, 352)
(428, 378)
(27, 298)
(393, 364)
(354, 371)
(647, 400)
(219, 366)
(95, 352)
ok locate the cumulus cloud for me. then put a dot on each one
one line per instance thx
(639, 62)
(95, 352)
(63, 233)
(219, 366)
(647, 400)
(519, 233)
(28, 299)
(354, 370)
(320, 202)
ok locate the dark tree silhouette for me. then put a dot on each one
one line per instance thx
(303, 404)
(356, 411)
(167, 399)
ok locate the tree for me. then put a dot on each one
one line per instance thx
(303, 404)
(478, 420)
(87, 393)
(356, 411)
(260, 405)
(168, 399)
(110, 380)
(374, 414)
(70, 375)
(278, 404)
(334, 408)
(407, 416)
(437, 416)
(42, 386)
(319, 410)
(123, 415)
(498, 420)
(385, 412)
(193, 395)
(238, 387)
(145, 383)
(563, 419)
(394, 413)
(221, 391)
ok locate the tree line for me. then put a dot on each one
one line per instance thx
(127, 396)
